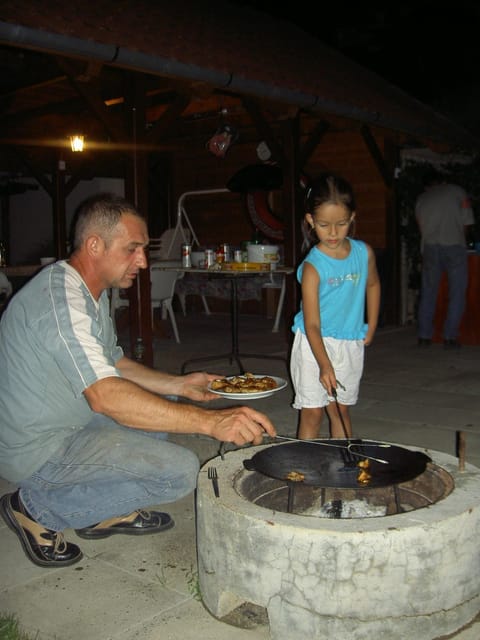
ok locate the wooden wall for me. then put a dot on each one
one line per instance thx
(219, 217)
(347, 155)
(224, 217)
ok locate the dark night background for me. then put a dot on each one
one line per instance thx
(430, 51)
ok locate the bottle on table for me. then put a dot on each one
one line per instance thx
(186, 255)
(219, 255)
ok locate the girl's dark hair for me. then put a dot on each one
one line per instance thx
(329, 188)
(326, 188)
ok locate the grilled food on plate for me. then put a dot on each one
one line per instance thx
(247, 383)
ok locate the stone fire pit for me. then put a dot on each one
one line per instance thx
(413, 574)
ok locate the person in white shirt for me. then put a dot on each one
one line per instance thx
(444, 215)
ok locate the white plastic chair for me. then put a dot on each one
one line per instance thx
(163, 248)
(5, 286)
(162, 292)
(160, 249)
(163, 289)
(6, 290)
(116, 302)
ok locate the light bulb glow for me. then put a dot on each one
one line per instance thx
(77, 143)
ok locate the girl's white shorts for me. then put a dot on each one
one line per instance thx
(347, 358)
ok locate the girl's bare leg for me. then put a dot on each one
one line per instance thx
(310, 423)
(336, 428)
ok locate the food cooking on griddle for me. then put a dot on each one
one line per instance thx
(363, 464)
(295, 476)
(364, 476)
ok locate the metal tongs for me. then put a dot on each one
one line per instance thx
(348, 449)
(347, 454)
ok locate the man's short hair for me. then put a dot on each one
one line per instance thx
(100, 214)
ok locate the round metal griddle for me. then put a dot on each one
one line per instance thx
(331, 466)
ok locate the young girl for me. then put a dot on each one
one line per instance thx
(337, 275)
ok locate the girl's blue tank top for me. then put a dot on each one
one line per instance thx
(341, 292)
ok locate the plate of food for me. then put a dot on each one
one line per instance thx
(247, 386)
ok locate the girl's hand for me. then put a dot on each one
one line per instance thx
(327, 378)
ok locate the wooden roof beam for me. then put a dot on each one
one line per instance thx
(93, 99)
(264, 130)
(312, 142)
(377, 155)
(168, 118)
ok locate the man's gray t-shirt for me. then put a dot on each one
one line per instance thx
(55, 341)
(442, 212)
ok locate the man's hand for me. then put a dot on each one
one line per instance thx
(194, 386)
(241, 425)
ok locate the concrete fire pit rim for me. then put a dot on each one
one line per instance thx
(463, 498)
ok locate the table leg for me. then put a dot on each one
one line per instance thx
(235, 350)
(234, 354)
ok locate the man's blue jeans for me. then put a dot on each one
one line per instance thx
(436, 260)
(107, 470)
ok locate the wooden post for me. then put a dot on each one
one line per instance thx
(5, 222)
(293, 215)
(58, 208)
(136, 186)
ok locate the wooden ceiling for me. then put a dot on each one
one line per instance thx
(47, 98)
(59, 96)
(67, 59)
(58, 76)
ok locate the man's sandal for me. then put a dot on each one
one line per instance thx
(43, 547)
(135, 524)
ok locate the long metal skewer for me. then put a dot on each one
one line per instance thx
(338, 446)
(347, 455)
(344, 428)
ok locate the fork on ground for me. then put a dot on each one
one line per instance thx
(213, 476)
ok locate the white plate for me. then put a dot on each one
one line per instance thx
(281, 384)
